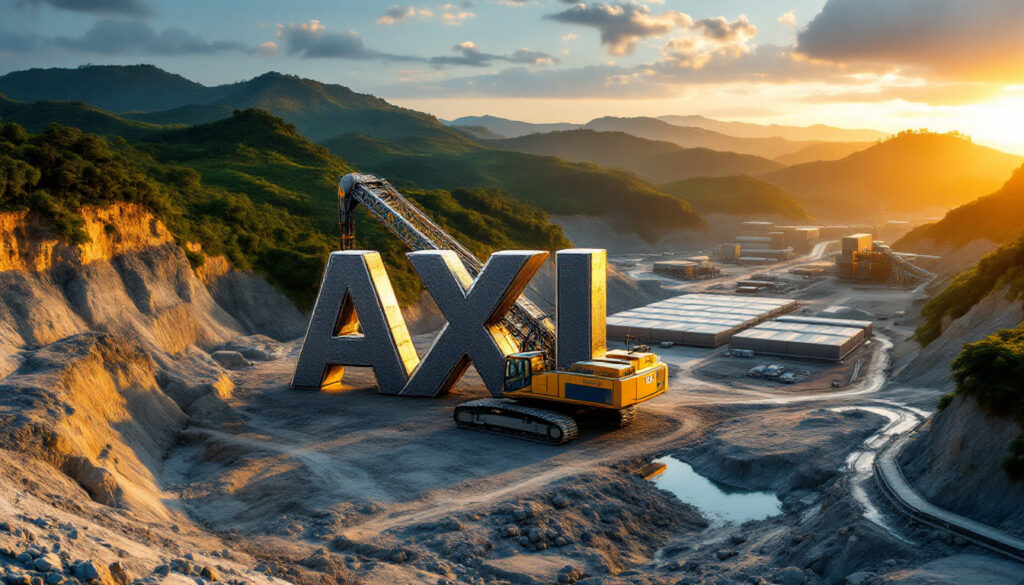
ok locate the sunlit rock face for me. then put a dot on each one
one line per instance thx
(130, 279)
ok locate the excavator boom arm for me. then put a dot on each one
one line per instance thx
(525, 320)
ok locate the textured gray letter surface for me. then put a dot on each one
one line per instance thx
(355, 293)
(474, 310)
(580, 289)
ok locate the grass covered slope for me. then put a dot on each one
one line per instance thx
(249, 187)
(738, 195)
(913, 171)
(549, 183)
(654, 160)
(998, 216)
(1002, 268)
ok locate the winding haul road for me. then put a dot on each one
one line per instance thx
(895, 486)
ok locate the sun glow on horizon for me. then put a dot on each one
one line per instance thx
(997, 123)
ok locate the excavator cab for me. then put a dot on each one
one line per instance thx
(519, 368)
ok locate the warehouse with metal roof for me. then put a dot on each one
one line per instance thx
(804, 337)
(705, 320)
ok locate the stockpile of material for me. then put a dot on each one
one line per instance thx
(805, 337)
(705, 320)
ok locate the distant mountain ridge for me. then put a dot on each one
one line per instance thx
(117, 88)
(149, 94)
(913, 171)
(750, 130)
(510, 128)
(37, 116)
(654, 160)
(763, 143)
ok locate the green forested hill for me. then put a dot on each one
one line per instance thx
(408, 147)
(654, 160)
(549, 183)
(739, 195)
(249, 187)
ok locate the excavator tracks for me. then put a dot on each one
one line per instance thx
(508, 417)
(622, 418)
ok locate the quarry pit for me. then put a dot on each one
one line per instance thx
(254, 482)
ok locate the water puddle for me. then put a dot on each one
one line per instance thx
(722, 504)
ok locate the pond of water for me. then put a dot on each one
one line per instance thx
(717, 501)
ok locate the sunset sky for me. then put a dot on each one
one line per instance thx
(885, 64)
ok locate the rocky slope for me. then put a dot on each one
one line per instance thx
(130, 280)
(955, 463)
(106, 354)
(107, 344)
(930, 366)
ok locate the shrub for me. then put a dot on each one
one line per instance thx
(944, 401)
(195, 259)
(991, 371)
(1013, 464)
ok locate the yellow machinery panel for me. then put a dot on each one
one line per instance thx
(618, 381)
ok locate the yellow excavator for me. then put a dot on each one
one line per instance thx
(539, 401)
(541, 404)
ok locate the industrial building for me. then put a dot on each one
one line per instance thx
(692, 269)
(864, 259)
(705, 320)
(805, 337)
(759, 242)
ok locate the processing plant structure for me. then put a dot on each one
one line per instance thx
(862, 258)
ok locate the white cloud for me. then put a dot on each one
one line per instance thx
(453, 15)
(469, 54)
(623, 25)
(788, 19)
(267, 49)
(312, 40)
(399, 14)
